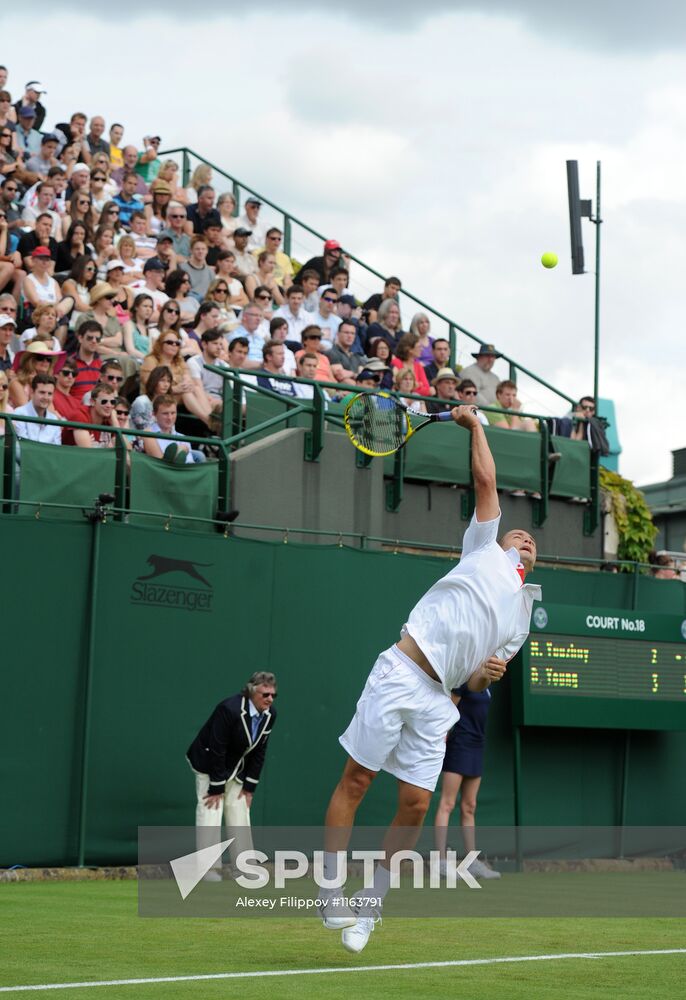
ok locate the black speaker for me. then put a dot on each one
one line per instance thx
(575, 213)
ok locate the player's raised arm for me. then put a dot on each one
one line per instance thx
(483, 466)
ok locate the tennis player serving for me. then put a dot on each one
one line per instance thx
(463, 630)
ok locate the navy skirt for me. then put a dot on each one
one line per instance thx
(468, 761)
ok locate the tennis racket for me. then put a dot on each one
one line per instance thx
(378, 424)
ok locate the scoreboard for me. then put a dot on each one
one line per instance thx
(601, 668)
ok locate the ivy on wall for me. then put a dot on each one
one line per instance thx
(632, 516)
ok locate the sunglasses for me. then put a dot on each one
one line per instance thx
(313, 336)
(113, 211)
(268, 694)
(122, 413)
(173, 312)
(68, 373)
(221, 291)
(588, 409)
(94, 339)
(170, 216)
(330, 300)
(263, 296)
(172, 343)
(107, 402)
(469, 392)
(114, 378)
(84, 204)
(97, 177)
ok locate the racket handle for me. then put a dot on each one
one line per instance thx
(444, 415)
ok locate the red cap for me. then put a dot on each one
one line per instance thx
(332, 245)
(41, 252)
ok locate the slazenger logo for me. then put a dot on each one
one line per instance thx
(173, 593)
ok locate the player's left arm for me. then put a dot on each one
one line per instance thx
(491, 670)
(483, 466)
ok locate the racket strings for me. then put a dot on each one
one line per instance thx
(377, 424)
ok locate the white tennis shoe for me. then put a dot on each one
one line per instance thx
(355, 938)
(479, 869)
(335, 915)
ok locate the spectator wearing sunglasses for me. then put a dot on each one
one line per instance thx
(102, 410)
(111, 375)
(176, 230)
(327, 318)
(283, 269)
(8, 329)
(87, 360)
(585, 408)
(9, 189)
(467, 392)
(64, 401)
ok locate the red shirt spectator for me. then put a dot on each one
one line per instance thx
(86, 361)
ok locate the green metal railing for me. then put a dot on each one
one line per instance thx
(234, 436)
(453, 327)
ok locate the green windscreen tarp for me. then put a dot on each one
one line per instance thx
(181, 491)
(67, 475)
(572, 473)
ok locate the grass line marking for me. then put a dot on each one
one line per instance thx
(350, 968)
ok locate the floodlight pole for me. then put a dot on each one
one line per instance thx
(597, 221)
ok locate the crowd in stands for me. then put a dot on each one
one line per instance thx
(118, 284)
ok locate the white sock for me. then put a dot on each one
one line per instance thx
(382, 883)
(331, 866)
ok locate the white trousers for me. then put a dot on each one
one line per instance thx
(233, 811)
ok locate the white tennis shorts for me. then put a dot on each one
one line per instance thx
(401, 721)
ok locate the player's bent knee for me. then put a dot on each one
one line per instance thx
(356, 779)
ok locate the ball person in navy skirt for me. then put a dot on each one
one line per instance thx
(462, 770)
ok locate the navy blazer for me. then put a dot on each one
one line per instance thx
(224, 748)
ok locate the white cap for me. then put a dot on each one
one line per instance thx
(79, 168)
(35, 85)
(114, 263)
(6, 320)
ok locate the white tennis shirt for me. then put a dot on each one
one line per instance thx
(479, 609)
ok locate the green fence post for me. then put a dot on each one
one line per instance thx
(540, 507)
(224, 481)
(121, 456)
(452, 337)
(185, 167)
(592, 512)
(314, 438)
(394, 488)
(9, 466)
(513, 372)
(96, 519)
(287, 234)
(236, 197)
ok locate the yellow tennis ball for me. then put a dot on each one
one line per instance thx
(549, 260)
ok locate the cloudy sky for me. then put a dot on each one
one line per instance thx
(431, 140)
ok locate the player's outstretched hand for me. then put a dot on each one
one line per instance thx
(465, 416)
(494, 668)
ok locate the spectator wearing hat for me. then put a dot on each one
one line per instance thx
(445, 384)
(39, 286)
(31, 102)
(485, 380)
(176, 230)
(312, 344)
(165, 253)
(79, 180)
(283, 265)
(199, 214)
(245, 262)
(153, 285)
(37, 359)
(87, 360)
(130, 158)
(103, 312)
(369, 376)
(250, 220)
(391, 290)
(156, 209)
(46, 158)
(331, 257)
(348, 309)
(26, 135)
(8, 329)
(38, 405)
(344, 363)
